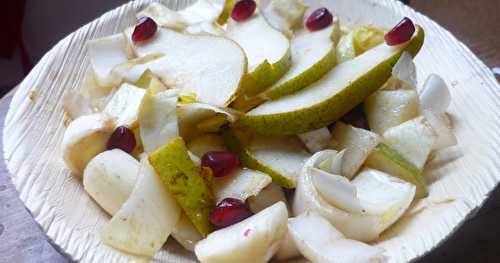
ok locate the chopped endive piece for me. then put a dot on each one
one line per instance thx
(183, 180)
(206, 143)
(124, 105)
(334, 163)
(254, 239)
(366, 37)
(345, 48)
(212, 67)
(440, 123)
(365, 225)
(313, 55)
(185, 233)
(435, 95)
(388, 160)
(158, 119)
(413, 139)
(316, 140)
(388, 108)
(358, 144)
(288, 249)
(85, 138)
(320, 241)
(285, 15)
(328, 99)
(405, 71)
(265, 65)
(279, 157)
(243, 184)
(133, 70)
(146, 219)
(191, 115)
(267, 197)
(105, 54)
(110, 177)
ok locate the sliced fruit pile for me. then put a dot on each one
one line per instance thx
(204, 124)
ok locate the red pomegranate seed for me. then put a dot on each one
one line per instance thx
(243, 10)
(401, 33)
(122, 138)
(228, 212)
(319, 19)
(221, 163)
(144, 29)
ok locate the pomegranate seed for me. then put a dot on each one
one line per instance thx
(122, 138)
(144, 29)
(228, 212)
(221, 163)
(401, 33)
(319, 19)
(243, 10)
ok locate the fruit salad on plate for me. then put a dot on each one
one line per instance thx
(254, 131)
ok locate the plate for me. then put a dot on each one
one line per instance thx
(461, 177)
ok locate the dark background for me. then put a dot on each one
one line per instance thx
(29, 28)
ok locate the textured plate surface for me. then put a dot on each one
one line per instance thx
(461, 178)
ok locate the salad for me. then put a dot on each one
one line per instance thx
(254, 131)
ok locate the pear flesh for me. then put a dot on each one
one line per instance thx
(211, 67)
(328, 99)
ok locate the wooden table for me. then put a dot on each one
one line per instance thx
(474, 22)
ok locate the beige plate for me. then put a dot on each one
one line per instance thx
(461, 178)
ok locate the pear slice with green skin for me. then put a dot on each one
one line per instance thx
(328, 99)
(279, 157)
(184, 181)
(265, 65)
(226, 11)
(388, 160)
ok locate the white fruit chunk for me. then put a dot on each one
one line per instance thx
(405, 70)
(320, 242)
(440, 123)
(158, 119)
(285, 15)
(84, 138)
(146, 219)
(205, 143)
(358, 144)
(254, 239)
(333, 164)
(255, 33)
(413, 139)
(435, 95)
(186, 233)
(364, 226)
(209, 66)
(191, 114)
(105, 54)
(388, 108)
(316, 140)
(110, 177)
(124, 105)
(267, 197)
(243, 184)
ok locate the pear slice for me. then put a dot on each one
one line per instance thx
(345, 48)
(105, 54)
(285, 15)
(358, 144)
(254, 239)
(212, 67)
(124, 105)
(146, 219)
(109, 178)
(85, 138)
(319, 241)
(183, 179)
(279, 157)
(265, 65)
(388, 108)
(388, 160)
(313, 55)
(328, 99)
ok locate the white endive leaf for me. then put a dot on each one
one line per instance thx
(435, 95)
(146, 219)
(405, 70)
(124, 105)
(241, 185)
(158, 119)
(333, 164)
(316, 140)
(321, 242)
(440, 123)
(191, 114)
